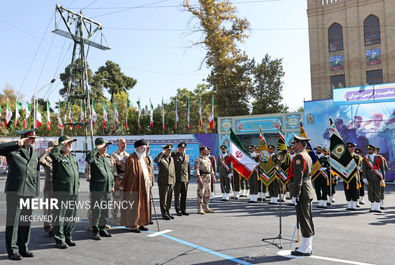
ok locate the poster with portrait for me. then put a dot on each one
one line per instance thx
(336, 62)
(373, 57)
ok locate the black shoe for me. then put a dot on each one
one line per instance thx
(26, 254)
(185, 213)
(96, 236)
(15, 256)
(171, 216)
(259, 199)
(70, 243)
(151, 223)
(297, 253)
(104, 233)
(135, 230)
(361, 203)
(382, 208)
(179, 213)
(49, 234)
(143, 228)
(61, 245)
(165, 217)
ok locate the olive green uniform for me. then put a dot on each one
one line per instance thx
(46, 161)
(166, 181)
(183, 175)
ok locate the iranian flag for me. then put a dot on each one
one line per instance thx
(176, 116)
(70, 121)
(163, 117)
(151, 114)
(116, 115)
(94, 114)
(211, 117)
(39, 118)
(28, 109)
(138, 114)
(18, 108)
(105, 115)
(127, 112)
(48, 116)
(60, 123)
(82, 117)
(8, 113)
(200, 114)
(188, 114)
(243, 163)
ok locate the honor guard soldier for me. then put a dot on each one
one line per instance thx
(66, 183)
(166, 180)
(22, 184)
(351, 189)
(332, 178)
(274, 186)
(183, 175)
(372, 168)
(205, 175)
(101, 186)
(253, 180)
(361, 192)
(225, 172)
(385, 167)
(321, 183)
(302, 189)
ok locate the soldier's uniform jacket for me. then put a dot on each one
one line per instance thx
(166, 174)
(213, 163)
(65, 172)
(46, 161)
(23, 178)
(152, 167)
(367, 172)
(102, 177)
(224, 159)
(182, 167)
(358, 161)
(203, 166)
(119, 159)
(302, 187)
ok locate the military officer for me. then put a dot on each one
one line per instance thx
(214, 165)
(302, 189)
(152, 168)
(236, 184)
(101, 185)
(385, 167)
(118, 158)
(320, 183)
(332, 178)
(23, 183)
(225, 172)
(205, 175)
(46, 161)
(372, 168)
(361, 192)
(166, 180)
(183, 175)
(253, 180)
(274, 187)
(351, 189)
(66, 188)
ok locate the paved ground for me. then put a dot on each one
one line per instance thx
(233, 235)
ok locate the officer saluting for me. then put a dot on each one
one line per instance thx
(302, 189)
(23, 182)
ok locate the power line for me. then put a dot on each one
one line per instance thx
(128, 8)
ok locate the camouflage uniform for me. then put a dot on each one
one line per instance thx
(118, 159)
(203, 168)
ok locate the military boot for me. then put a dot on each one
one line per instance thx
(207, 209)
(200, 210)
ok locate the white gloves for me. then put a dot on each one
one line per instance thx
(382, 182)
(230, 175)
(217, 175)
(323, 169)
(365, 181)
(293, 200)
(359, 168)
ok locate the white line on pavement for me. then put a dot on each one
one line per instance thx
(159, 233)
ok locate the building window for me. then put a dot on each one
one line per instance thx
(338, 81)
(371, 27)
(374, 77)
(335, 37)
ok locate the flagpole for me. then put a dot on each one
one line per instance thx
(34, 98)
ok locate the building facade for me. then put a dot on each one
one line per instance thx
(352, 43)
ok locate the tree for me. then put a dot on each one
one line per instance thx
(230, 67)
(268, 86)
(110, 77)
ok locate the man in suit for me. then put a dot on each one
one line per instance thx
(183, 175)
(302, 190)
(22, 184)
(166, 180)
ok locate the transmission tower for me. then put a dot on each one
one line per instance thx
(78, 86)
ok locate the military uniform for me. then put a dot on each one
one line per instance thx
(321, 184)
(119, 161)
(66, 188)
(214, 166)
(382, 187)
(166, 181)
(351, 189)
(23, 183)
(183, 175)
(236, 184)
(274, 186)
(254, 182)
(101, 186)
(204, 170)
(225, 173)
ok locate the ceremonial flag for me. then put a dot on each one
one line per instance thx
(27, 114)
(266, 165)
(342, 162)
(163, 117)
(127, 112)
(116, 115)
(70, 120)
(211, 117)
(60, 123)
(82, 117)
(283, 157)
(243, 163)
(105, 115)
(18, 107)
(48, 116)
(94, 114)
(188, 118)
(151, 114)
(39, 119)
(200, 114)
(176, 116)
(8, 113)
(138, 114)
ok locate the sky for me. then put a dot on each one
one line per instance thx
(150, 41)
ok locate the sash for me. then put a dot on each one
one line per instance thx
(373, 167)
(290, 173)
(223, 162)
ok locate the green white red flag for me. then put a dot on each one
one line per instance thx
(8, 113)
(39, 118)
(18, 108)
(105, 114)
(48, 116)
(176, 116)
(28, 109)
(116, 115)
(151, 114)
(211, 117)
(138, 114)
(127, 112)
(60, 123)
(94, 114)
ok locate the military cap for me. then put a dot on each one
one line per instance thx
(350, 144)
(271, 146)
(28, 133)
(318, 147)
(167, 146)
(377, 149)
(325, 149)
(52, 143)
(358, 150)
(182, 144)
(140, 143)
(224, 147)
(251, 146)
(369, 146)
(202, 147)
(64, 139)
(208, 148)
(101, 142)
(300, 138)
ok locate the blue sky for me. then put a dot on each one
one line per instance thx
(150, 44)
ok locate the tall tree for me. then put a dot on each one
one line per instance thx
(268, 86)
(230, 67)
